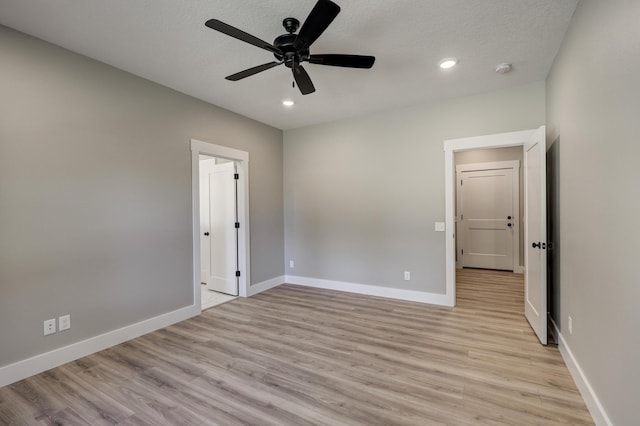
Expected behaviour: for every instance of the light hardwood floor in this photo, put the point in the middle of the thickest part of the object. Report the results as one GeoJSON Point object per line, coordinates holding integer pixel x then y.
{"type": "Point", "coordinates": [299, 356]}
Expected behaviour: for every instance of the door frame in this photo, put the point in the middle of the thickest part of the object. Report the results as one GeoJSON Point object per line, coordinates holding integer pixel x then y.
{"type": "Point", "coordinates": [451, 146]}
{"type": "Point", "coordinates": [514, 165]}
{"type": "Point", "coordinates": [241, 159]}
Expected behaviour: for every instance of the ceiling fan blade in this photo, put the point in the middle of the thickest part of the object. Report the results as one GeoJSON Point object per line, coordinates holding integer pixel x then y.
{"type": "Point", "coordinates": [227, 29]}
{"type": "Point", "coordinates": [350, 61]}
{"type": "Point", "coordinates": [251, 71]}
{"type": "Point", "coordinates": [303, 80]}
{"type": "Point", "coordinates": [322, 14]}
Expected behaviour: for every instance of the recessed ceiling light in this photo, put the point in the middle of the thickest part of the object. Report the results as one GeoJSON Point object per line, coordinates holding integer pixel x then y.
{"type": "Point", "coordinates": [448, 63]}
{"type": "Point", "coordinates": [288, 103]}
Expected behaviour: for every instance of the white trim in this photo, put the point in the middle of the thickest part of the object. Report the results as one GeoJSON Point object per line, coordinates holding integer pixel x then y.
{"type": "Point", "coordinates": [498, 140]}
{"type": "Point", "coordinates": [514, 166]}
{"type": "Point", "coordinates": [195, 230]}
{"type": "Point", "coordinates": [451, 146]}
{"type": "Point", "coordinates": [220, 151]}
{"type": "Point", "coordinates": [22, 369]}
{"type": "Point", "coordinates": [591, 400]}
{"type": "Point", "coordinates": [371, 290]}
{"type": "Point", "coordinates": [244, 245]}
{"type": "Point", "coordinates": [265, 285]}
{"type": "Point", "coordinates": [449, 211]}
{"type": "Point", "coordinates": [519, 269]}
{"type": "Point", "coordinates": [242, 163]}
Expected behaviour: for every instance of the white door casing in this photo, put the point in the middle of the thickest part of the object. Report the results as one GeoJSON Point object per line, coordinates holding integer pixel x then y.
{"type": "Point", "coordinates": [535, 253]}
{"type": "Point", "coordinates": [241, 159]}
{"type": "Point", "coordinates": [487, 218]}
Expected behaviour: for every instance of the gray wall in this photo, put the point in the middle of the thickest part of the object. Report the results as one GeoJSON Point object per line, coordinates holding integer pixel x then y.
{"type": "Point", "coordinates": [593, 108]}
{"type": "Point", "coordinates": [95, 194]}
{"type": "Point", "coordinates": [513, 153]}
{"type": "Point", "coordinates": [362, 195]}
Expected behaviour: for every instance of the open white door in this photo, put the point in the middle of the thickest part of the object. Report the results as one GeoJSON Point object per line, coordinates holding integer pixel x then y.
{"type": "Point", "coordinates": [223, 238]}
{"type": "Point", "coordinates": [535, 234]}
{"type": "Point", "coordinates": [206, 168]}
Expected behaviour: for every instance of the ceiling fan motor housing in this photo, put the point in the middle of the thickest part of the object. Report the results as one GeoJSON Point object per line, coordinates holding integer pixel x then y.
{"type": "Point", "coordinates": [290, 55]}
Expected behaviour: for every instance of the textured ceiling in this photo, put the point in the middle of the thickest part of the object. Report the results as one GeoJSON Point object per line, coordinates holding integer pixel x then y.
{"type": "Point", "coordinates": [166, 41]}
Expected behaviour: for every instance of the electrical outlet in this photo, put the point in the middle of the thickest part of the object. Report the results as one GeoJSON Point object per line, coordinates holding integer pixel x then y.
{"type": "Point", "coordinates": [49, 326]}
{"type": "Point", "coordinates": [439, 226]}
{"type": "Point", "coordinates": [292, 264]}
{"type": "Point", "coordinates": [407, 275]}
{"type": "Point", "coordinates": [570, 325]}
{"type": "Point", "coordinates": [64, 322]}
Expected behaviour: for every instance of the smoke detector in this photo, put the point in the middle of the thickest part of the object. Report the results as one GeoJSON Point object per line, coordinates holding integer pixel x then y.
{"type": "Point", "coordinates": [503, 68]}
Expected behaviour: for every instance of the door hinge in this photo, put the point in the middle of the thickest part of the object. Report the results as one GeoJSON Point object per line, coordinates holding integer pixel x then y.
{"type": "Point", "coordinates": [237, 273]}
{"type": "Point", "coordinates": [237, 225]}
{"type": "Point", "coordinates": [461, 251]}
{"type": "Point", "coordinates": [236, 176]}
{"type": "Point", "coordinates": [461, 217]}
{"type": "Point", "coordinates": [461, 182]}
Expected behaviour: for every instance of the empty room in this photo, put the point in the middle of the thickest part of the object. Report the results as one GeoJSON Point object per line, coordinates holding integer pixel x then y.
{"type": "Point", "coordinates": [319, 212]}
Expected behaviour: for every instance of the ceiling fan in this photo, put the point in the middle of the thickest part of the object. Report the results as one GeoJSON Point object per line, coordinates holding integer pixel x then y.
{"type": "Point", "coordinates": [292, 49]}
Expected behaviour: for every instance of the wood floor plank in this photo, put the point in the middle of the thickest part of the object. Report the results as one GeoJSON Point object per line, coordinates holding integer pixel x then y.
{"type": "Point", "coordinates": [303, 356]}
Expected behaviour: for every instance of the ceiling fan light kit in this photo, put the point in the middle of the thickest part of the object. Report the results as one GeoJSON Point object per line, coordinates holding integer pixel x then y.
{"type": "Point", "coordinates": [292, 49]}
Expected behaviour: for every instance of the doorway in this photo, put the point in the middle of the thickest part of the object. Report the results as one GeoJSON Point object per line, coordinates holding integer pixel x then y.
{"type": "Point", "coordinates": [534, 146]}
{"type": "Point", "coordinates": [218, 231]}
{"type": "Point", "coordinates": [218, 219]}
{"type": "Point", "coordinates": [488, 207]}
{"type": "Point", "coordinates": [220, 222]}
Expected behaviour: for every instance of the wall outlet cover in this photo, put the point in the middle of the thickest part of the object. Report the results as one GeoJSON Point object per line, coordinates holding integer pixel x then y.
{"type": "Point", "coordinates": [49, 327]}
{"type": "Point", "coordinates": [439, 226]}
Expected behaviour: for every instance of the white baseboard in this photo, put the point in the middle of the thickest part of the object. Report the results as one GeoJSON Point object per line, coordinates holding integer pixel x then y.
{"type": "Point", "coordinates": [371, 290]}
{"type": "Point", "coordinates": [596, 409]}
{"type": "Point", "coordinates": [265, 285]}
{"type": "Point", "coordinates": [37, 364]}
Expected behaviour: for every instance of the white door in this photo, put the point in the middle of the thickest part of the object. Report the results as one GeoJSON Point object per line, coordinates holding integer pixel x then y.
{"type": "Point", "coordinates": [487, 219]}
{"type": "Point", "coordinates": [535, 253]}
{"type": "Point", "coordinates": [219, 251]}
{"type": "Point", "coordinates": [206, 168]}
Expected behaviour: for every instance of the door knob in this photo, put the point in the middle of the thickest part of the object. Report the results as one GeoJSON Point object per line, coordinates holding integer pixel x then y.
{"type": "Point", "coordinates": [509, 225]}
{"type": "Point", "coordinates": [206, 234]}
{"type": "Point", "coordinates": [535, 245]}
{"type": "Point", "coordinates": [509, 217]}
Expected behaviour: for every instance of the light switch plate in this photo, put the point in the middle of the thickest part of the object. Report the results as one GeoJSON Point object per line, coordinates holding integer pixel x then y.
{"type": "Point", "coordinates": [64, 322]}
{"type": "Point", "coordinates": [439, 226]}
